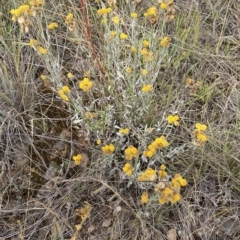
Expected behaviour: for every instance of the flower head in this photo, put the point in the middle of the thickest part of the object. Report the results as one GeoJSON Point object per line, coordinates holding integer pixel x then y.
{"type": "Point", "coordinates": [134, 15]}
{"type": "Point", "coordinates": [103, 11]}
{"type": "Point", "coordinates": [123, 36]}
{"type": "Point", "coordinates": [85, 84]}
{"type": "Point", "coordinates": [70, 75]}
{"type": "Point", "coordinates": [130, 153]}
{"type": "Point", "coordinates": [77, 159]}
{"type": "Point", "coordinates": [42, 50]}
{"type": "Point", "coordinates": [173, 119]}
{"type": "Point", "coordinates": [165, 41]}
{"type": "Point", "coordinates": [146, 43]}
{"type": "Point", "coordinates": [147, 88]}
{"type": "Point", "coordinates": [201, 127]}
{"type": "Point", "coordinates": [149, 175]}
{"type": "Point", "coordinates": [144, 72]}
{"type": "Point", "coordinates": [108, 149]}
{"type": "Point", "coordinates": [116, 20]}
{"type": "Point", "coordinates": [144, 197]}
{"type": "Point", "coordinates": [127, 169]}
{"type": "Point", "coordinates": [52, 26]}
{"type": "Point", "coordinates": [124, 131]}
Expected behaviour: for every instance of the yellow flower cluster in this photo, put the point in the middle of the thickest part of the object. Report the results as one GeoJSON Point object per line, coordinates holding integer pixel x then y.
{"type": "Point", "coordinates": [165, 41]}
{"type": "Point", "coordinates": [130, 153]}
{"type": "Point", "coordinates": [168, 6]}
{"type": "Point", "coordinates": [144, 72]}
{"type": "Point", "coordinates": [173, 119]}
{"type": "Point", "coordinates": [103, 11]}
{"type": "Point", "coordinates": [199, 134]}
{"type": "Point", "coordinates": [144, 197]}
{"type": "Point", "coordinates": [52, 26]}
{"type": "Point", "coordinates": [36, 45]}
{"type": "Point", "coordinates": [69, 20]}
{"type": "Point", "coordinates": [124, 131]}
{"type": "Point", "coordinates": [164, 4]}
{"type": "Point", "coordinates": [162, 171]}
{"type": "Point", "coordinates": [134, 15]}
{"type": "Point", "coordinates": [158, 143]}
{"type": "Point", "coordinates": [149, 175]}
{"type": "Point", "coordinates": [128, 169]}
{"type": "Point", "coordinates": [152, 14]}
{"type": "Point", "coordinates": [146, 43]}
{"type": "Point", "coordinates": [85, 84]}
{"type": "Point", "coordinates": [23, 12]}
{"type": "Point", "coordinates": [123, 36]}
{"type": "Point", "coordinates": [116, 20]}
{"type": "Point", "coordinates": [108, 149]}
{"type": "Point", "coordinates": [21, 15]}
{"type": "Point", "coordinates": [64, 92]}
{"type": "Point", "coordinates": [77, 159]}
{"type": "Point", "coordinates": [170, 191]}
{"type": "Point", "coordinates": [147, 88]}
{"type": "Point", "coordinates": [148, 55]}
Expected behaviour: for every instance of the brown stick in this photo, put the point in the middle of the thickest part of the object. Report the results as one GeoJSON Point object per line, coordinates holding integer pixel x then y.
{"type": "Point", "coordinates": [89, 36]}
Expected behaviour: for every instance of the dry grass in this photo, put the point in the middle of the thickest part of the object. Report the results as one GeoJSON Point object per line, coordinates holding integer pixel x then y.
{"type": "Point", "coordinates": [44, 195]}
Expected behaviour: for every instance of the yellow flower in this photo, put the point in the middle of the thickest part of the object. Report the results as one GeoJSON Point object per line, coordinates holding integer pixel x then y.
{"type": "Point", "coordinates": [175, 198]}
{"type": "Point", "coordinates": [146, 43]}
{"type": "Point", "coordinates": [147, 88]}
{"type": "Point", "coordinates": [144, 197]}
{"type": "Point", "coordinates": [36, 3]}
{"type": "Point", "coordinates": [123, 36]}
{"type": "Point", "coordinates": [133, 49]}
{"type": "Point", "coordinates": [163, 200]}
{"type": "Point", "coordinates": [165, 41]}
{"type": "Point", "coordinates": [149, 175]}
{"type": "Point", "coordinates": [108, 149]}
{"type": "Point", "coordinates": [130, 153]}
{"type": "Point", "coordinates": [178, 178]}
{"type": "Point", "coordinates": [124, 131]}
{"type": "Point", "coordinates": [85, 84]}
{"type": "Point", "coordinates": [90, 115]}
{"type": "Point", "coordinates": [144, 72]}
{"type": "Point", "coordinates": [70, 75]}
{"type": "Point", "coordinates": [99, 141]}
{"type": "Point", "coordinates": [160, 142]}
{"type": "Point", "coordinates": [134, 15]}
{"type": "Point", "coordinates": [127, 169]}
{"type": "Point", "coordinates": [202, 137]}
{"type": "Point", "coordinates": [69, 18]}
{"type": "Point", "coordinates": [162, 173]}
{"type": "Point", "coordinates": [163, 5]}
{"type": "Point", "coordinates": [116, 20]}
{"type": "Point", "coordinates": [201, 127]}
{"type": "Point", "coordinates": [173, 119]}
{"type": "Point", "coordinates": [43, 77]}
{"type": "Point", "coordinates": [113, 33]}
{"type": "Point", "coordinates": [149, 153]}
{"type": "Point", "coordinates": [151, 12]}
{"type": "Point", "coordinates": [128, 70]}
{"type": "Point", "coordinates": [77, 159]}
{"type": "Point", "coordinates": [52, 26]}
{"type": "Point", "coordinates": [103, 11]}
{"type": "Point", "coordinates": [66, 89]}
{"type": "Point", "coordinates": [63, 93]}
{"type": "Point", "coordinates": [33, 42]}
{"type": "Point", "coordinates": [42, 50]}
